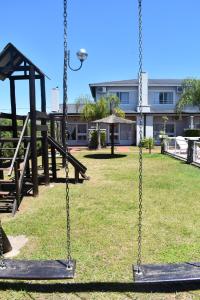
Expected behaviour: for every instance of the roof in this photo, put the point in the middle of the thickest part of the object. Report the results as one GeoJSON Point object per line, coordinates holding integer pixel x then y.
{"type": "Point", "coordinates": [10, 58]}
{"type": "Point", "coordinates": [72, 108]}
{"type": "Point", "coordinates": [134, 82]}
{"type": "Point", "coordinates": [113, 119]}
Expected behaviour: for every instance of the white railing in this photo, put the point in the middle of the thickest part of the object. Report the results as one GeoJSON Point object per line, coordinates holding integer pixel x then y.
{"type": "Point", "coordinates": [177, 146]}
{"type": "Point", "coordinates": [196, 153]}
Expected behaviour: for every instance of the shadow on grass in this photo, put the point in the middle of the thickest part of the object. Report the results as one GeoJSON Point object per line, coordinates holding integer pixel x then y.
{"type": "Point", "coordinates": [109, 287]}
{"type": "Point", "coordinates": [63, 180]}
{"type": "Point", "coordinates": [104, 156]}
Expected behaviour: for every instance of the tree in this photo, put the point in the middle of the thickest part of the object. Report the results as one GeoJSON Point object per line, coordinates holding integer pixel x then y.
{"type": "Point", "coordinates": [190, 95]}
{"type": "Point", "coordinates": [164, 119]}
{"type": "Point", "coordinates": [102, 108]}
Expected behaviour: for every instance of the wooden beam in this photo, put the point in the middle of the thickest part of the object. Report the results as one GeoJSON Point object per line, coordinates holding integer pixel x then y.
{"type": "Point", "coordinates": [44, 129]}
{"type": "Point", "coordinates": [24, 77]}
{"type": "Point", "coordinates": [41, 115]}
{"type": "Point", "coordinates": [9, 116]}
{"type": "Point", "coordinates": [33, 130]}
{"type": "Point", "coordinates": [9, 128]}
{"type": "Point", "coordinates": [53, 152]}
{"type": "Point", "coordinates": [13, 107]}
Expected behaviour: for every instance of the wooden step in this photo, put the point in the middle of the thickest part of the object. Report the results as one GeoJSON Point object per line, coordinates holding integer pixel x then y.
{"type": "Point", "coordinates": [10, 158]}
{"type": "Point", "coordinates": [5, 181]}
{"type": "Point", "coordinates": [4, 193]}
{"type": "Point", "coordinates": [7, 140]}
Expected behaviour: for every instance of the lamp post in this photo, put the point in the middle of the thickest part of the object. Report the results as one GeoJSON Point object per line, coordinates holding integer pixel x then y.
{"type": "Point", "coordinates": [81, 55]}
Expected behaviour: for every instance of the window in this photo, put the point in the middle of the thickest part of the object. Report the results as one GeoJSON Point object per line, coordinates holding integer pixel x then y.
{"type": "Point", "coordinates": [72, 132]}
{"type": "Point", "coordinates": [125, 132]}
{"type": "Point", "coordinates": [124, 97]}
{"type": "Point", "coordinates": [77, 132]}
{"type": "Point", "coordinates": [82, 132]}
{"type": "Point", "coordinates": [163, 98]}
{"type": "Point", "coordinates": [169, 129]}
{"type": "Point", "coordinates": [116, 132]}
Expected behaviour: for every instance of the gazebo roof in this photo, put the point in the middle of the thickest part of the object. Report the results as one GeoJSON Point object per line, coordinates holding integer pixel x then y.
{"type": "Point", "coordinates": [10, 59]}
{"type": "Point", "coordinates": [112, 119]}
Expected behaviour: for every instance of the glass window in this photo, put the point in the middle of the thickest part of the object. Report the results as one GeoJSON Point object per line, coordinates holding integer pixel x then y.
{"type": "Point", "coordinates": [124, 97]}
{"type": "Point", "coordinates": [116, 132]}
{"type": "Point", "coordinates": [72, 132]}
{"type": "Point", "coordinates": [125, 132]}
{"type": "Point", "coordinates": [82, 132]}
{"type": "Point", "coordinates": [82, 128]}
{"type": "Point", "coordinates": [166, 98]}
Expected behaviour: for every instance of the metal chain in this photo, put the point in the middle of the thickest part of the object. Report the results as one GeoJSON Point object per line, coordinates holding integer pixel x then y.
{"type": "Point", "coordinates": [139, 259]}
{"type": "Point", "coordinates": [65, 112]}
{"type": "Point", "coordinates": [2, 263]}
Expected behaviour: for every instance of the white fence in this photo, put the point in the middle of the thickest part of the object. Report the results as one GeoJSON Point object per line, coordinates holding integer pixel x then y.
{"type": "Point", "coordinates": [196, 153]}
{"type": "Point", "coordinates": [182, 148]}
{"type": "Point", "coordinates": [177, 146]}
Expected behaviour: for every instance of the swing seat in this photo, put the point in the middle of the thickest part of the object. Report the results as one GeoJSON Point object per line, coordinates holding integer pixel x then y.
{"type": "Point", "coordinates": [167, 273]}
{"type": "Point", "coordinates": [37, 269]}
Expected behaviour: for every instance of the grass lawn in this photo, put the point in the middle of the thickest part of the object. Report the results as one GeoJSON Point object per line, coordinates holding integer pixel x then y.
{"type": "Point", "coordinates": [104, 227]}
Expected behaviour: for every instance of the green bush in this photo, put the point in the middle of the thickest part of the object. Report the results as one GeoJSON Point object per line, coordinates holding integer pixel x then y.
{"type": "Point", "coordinates": [148, 143]}
{"type": "Point", "coordinates": [94, 139]}
{"type": "Point", "coordinates": [192, 132]}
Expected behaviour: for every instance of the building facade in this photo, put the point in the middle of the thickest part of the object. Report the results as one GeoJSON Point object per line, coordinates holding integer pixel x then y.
{"type": "Point", "coordinates": [159, 98]}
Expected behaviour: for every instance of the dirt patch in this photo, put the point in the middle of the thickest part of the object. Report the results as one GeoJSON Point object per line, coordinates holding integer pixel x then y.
{"type": "Point", "coordinates": [17, 243]}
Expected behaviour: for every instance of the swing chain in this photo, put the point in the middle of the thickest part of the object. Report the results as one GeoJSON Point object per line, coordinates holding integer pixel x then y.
{"type": "Point", "coordinates": [65, 110]}
{"type": "Point", "coordinates": [140, 187]}
{"type": "Point", "coordinates": [2, 263]}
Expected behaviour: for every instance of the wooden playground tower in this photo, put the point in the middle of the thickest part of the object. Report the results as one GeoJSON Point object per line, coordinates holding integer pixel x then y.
{"type": "Point", "coordinates": [19, 173]}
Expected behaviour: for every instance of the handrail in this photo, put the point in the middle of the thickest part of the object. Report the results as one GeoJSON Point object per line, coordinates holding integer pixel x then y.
{"type": "Point", "coordinates": [18, 145]}
{"type": "Point", "coordinates": [24, 168]}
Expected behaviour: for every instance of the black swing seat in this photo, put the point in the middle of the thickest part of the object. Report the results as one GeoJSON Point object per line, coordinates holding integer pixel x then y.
{"type": "Point", "coordinates": [168, 273]}
{"type": "Point", "coordinates": [37, 269]}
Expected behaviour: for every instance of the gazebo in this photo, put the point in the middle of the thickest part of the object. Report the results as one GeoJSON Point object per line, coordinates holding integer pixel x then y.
{"type": "Point", "coordinates": [112, 120]}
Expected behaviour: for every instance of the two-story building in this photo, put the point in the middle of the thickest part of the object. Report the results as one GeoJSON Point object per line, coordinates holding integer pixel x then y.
{"type": "Point", "coordinates": [159, 98]}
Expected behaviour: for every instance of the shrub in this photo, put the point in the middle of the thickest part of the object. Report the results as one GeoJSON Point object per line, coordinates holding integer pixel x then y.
{"type": "Point", "coordinates": [94, 139]}
{"type": "Point", "coordinates": [148, 143]}
{"type": "Point", "coordinates": [192, 132]}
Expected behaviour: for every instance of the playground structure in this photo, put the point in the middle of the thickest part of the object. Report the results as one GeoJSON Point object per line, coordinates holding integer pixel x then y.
{"type": "Point", "coordinates": [28, 137]}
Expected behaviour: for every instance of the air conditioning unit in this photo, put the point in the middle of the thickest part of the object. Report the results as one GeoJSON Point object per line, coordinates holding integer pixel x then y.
{"type": "Point", "coordinates": [101, 89]}
{"type": "Point", "coordinates": [179, 89]}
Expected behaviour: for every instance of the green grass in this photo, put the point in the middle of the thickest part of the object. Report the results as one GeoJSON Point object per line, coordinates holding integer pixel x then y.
{"type": "Point", "coordinates": [104, 225]}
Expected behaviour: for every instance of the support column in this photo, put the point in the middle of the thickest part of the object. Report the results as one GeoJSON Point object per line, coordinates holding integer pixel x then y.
{"type": "Point", "coordinates": [190, 152]}
{"type": "Point", "coordinates": [44, 133]}
{"type": "Point", "coordinates": [33, 130]}
{"type": "Point", "coordinates": [13, 106]}
{"type": "Point", "coordinates": [149, 126]}
{"type": "Point", "coordinates": [53, 152]}
{"type": "Point", "coordinates": [112, 138]}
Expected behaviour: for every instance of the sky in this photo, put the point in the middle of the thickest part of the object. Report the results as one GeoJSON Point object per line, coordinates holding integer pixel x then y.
{"type": "Point", "coordinates": [108, 30]}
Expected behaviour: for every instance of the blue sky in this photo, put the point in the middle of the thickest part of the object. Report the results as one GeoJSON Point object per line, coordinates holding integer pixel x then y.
{"type": "Point", "coordinates": [108, 29]}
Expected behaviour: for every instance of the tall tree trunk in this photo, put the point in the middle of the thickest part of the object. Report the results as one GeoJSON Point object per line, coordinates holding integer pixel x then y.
{"type": "Point", "coordinates": [99, 136]}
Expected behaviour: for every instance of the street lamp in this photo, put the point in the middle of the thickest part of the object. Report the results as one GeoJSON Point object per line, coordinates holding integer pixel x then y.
{"type": "Point", "coordinates": [81, 55]}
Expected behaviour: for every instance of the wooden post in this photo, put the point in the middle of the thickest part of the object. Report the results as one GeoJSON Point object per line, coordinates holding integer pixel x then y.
{"type": "Point", "coordinates": [13, 107]}
{"type": "Point", "coordinates": [190, 152]}
{"type": "Point", "coordinates": [28, 173]}
{"type": "Point", "coordinates": [44, 133]}
{"type": "Point", "coordinates": [53, 152]}
{"type": "Point", "coordinates": [76, 172]}
{"type": "Point", "coordinates": [112, 138]}
{"type": "Point", "coordinates": [33, 130]}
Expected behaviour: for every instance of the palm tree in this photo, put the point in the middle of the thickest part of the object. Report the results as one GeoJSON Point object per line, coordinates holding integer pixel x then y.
{"type": "Point", "coordinates": [190, 95]}
{"type": "Point", "coordinates": [103, 107]}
